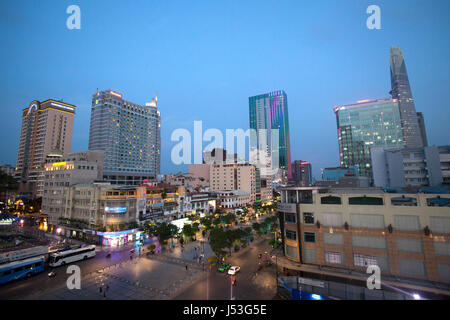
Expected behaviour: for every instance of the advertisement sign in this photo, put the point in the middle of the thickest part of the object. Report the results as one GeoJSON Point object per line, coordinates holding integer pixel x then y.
{"type": "Point", "coordinates": [116, 209]}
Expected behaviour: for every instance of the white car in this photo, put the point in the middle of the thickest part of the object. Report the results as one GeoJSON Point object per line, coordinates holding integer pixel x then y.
{"type": "Point", "coordinates": [233, 270]}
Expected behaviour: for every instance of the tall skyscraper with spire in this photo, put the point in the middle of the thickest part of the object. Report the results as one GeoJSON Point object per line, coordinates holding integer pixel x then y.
{"type": "Point", "coordinates": [401, 91]}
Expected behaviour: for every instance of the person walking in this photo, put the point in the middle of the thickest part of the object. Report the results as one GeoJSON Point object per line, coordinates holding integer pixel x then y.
{"type": "Point", "coordinates": [186, 268]}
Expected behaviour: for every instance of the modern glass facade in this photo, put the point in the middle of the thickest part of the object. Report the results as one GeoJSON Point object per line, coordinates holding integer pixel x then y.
{"type": "Point", "coordinates": [366, 124]}
{"type": "Point", "coordinates": [401, 90]}
{"type": "Point", "coordinates": [129, 135]}
{"type": "Point", "coordinates": [267, 112]}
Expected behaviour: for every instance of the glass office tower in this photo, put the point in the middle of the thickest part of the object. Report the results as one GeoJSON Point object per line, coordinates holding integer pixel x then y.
{"type": "Point", "coordinates": [365, 124]}
{"type": "Point", "coordinates": [267, 112]}
{"type": "Point", "coordinates": [401, 90]}
{"type": "Point", "coordinates": [128, 134]}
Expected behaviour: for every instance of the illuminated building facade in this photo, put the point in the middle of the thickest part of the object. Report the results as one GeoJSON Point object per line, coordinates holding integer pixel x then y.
{"type": "Point", "coordinates": [46, 126]}
{"type": "Point", "coordinates": [63, 172]}
{"type": "Point", "coordinates": [365, 124]}
{"type": "Point", "coordinates": [268, 112]}
{"type": "Point", "coordinates": [129, 135]}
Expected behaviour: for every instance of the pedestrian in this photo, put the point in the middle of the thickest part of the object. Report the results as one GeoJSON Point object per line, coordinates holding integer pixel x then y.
{"type": "Point", "coordinates": [100, 289]}
{"type": "Point", "coordinates": [186, 267]}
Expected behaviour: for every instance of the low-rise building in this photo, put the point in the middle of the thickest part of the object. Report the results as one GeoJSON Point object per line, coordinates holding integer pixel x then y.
{"type": "Point", "coordinates": [63, 172]}
{"type": "Point", "coordinates": [444, 158]}
{"type": "Point", "coordinates": [334, 173]}
{"type": "Point", "coordinates": [415, 167]}
{"type": "Point", "coordinates": [406, 235]}
{"type": "Point", "coordinates": [232, 199]}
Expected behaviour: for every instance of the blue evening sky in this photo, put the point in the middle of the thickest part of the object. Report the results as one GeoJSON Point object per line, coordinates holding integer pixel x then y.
{"type": "Point", "coordinates": [205, 58]}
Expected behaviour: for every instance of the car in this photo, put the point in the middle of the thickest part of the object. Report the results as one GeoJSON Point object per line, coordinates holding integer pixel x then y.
{"type": "Point", "coordinates": [233, 270]}
{"type": "Point", "coordinates": [223, 267]}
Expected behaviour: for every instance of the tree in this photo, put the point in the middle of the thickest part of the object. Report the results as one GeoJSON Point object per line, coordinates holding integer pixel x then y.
{"type": "Point", "coordinates": [206, 221]}
{"type": "Point", "coordinates": [7, 182]}
{"type": "Point", "coordinates": [166, 231]}
{"type": "Point", "coordinates": [256, 226]}
{"type": "Point", "coordinates": [188, 231]}
{"type": "Point", "coordinates": [218, 241]}
{"type": "Point", "coordinates": [216, 222]}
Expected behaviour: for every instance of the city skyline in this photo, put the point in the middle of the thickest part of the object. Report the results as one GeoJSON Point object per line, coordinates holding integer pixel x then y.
{"type": "Point", "coordinates": [363, 71]}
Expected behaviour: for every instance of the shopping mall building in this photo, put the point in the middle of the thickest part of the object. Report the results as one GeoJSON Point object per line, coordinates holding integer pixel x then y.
{"type": "Point", "coordinates": [345, 230]}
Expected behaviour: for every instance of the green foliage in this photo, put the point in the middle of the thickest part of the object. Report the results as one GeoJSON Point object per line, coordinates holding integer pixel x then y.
{"type": "Point", "coordinates": [218, 241]}
{"type": "Point", "coordinates": [256, 226]}
{"type": "Point", "coordinates": [188, 230]}
{"type": "Point", "coordinates": [165, 231]}
{"type": "Point", "coordinates": [7, 182]}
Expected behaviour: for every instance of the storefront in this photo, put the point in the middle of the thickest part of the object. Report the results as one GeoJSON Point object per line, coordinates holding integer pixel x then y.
{"type": "Point", "coordinates": [121, 238]}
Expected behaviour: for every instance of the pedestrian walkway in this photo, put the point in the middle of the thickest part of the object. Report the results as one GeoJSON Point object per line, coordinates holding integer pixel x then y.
{"type": "Point", "coordinates": [191, 251]}
{"type": "Point", "coordinates": [137, 279]}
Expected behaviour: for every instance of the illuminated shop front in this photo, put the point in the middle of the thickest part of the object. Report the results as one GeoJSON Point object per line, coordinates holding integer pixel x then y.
{"type": "Point", "coordinates": [121, 238]}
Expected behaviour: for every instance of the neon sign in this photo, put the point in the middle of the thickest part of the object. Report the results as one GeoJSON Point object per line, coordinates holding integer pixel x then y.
{"type": "Point", "coordinates": [116, 94]}
{"type": "Point", "coordinates": [35, 105]}
{"type": "Point", "coordinates": [116, 210]}
{"type": "Point", "coordinates": [55, 164]}
{"type": "Point", "coordinates": [61, 106]}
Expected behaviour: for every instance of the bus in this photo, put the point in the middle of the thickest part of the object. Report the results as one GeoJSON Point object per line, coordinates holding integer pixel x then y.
{"type": "Point", "coordinates": [21, 268]}
{"type": "Point", "coordinates": [68, 256]}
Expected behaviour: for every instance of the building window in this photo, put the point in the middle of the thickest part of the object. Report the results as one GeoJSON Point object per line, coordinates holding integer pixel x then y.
{"type": "Point", "coordinates": [361, 260]}
{"type": "Point", "coordinates": [334, 257]}
{"type": "Point", "coordinates": [368, 201]}
{"type": "Point", "coordinates": [330, 200]}
{"type": "Point", "coordinates": [291, 235]}
{"type": "Point", "coordinates": [289, 217]}
{"type": "Point", "coordinates": [308, 217]}
{"type": "Point", "coordinates": [291, 252]}
{"type": "Point", "coordinates": [309, 237]}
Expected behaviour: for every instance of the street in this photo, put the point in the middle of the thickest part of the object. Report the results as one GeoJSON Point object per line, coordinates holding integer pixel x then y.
{"type": "Point", "coordinates": [250, 283]}
{"type": "Point", "coordinates": [176, 273]}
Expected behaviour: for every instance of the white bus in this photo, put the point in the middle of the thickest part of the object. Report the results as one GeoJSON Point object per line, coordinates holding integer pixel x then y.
{"type": "Point", "coordinates": [69, 256]}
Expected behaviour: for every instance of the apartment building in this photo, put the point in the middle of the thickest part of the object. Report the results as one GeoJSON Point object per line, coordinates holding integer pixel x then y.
{"type": "Point", "coordinates": [235, 176]}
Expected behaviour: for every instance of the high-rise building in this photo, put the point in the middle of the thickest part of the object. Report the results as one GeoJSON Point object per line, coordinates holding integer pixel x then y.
{"type": "Point", "coordinates": [301, 173]}
{"type": "Point", "coordinates": [129, 136]}
{"type": "Point", "coordinates": [269, 112]}
{"type": "Point", "coordinates": [423, 132]}
{"type": "Point", "coordinates": [365, 124]}
{"type": "Point", "coordinates": [46, 126]}
{"type": "Point", "coordinates": [235, 176]}
{"type": "Point", "coordinates": [401, 91]}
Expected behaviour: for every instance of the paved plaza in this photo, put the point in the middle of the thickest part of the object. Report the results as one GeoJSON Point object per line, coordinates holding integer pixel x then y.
{"type": "Point", "coordinates": [157, 277]}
